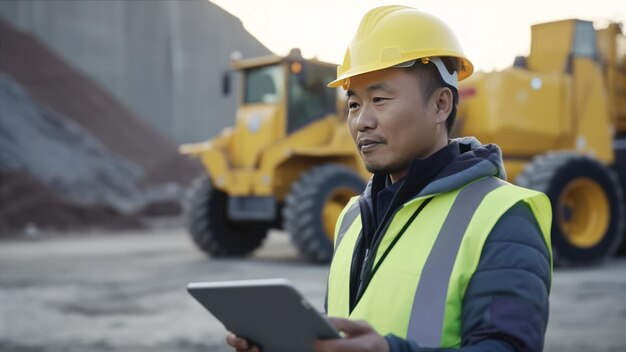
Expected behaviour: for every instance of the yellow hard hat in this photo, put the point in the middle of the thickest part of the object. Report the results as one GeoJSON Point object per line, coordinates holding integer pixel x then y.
{"type": "Point", "coordinates": [392, 35]}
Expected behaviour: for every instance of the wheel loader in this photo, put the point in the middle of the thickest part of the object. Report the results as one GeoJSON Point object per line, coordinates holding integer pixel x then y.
{"type": "Point", "coordinates": [558, 114]}
{"type": "Point", "coordinates": [289, 162]}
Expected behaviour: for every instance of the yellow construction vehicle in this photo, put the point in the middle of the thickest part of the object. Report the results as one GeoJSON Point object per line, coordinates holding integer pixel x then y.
{"type": "Point", "coordinates": [288, 162]}
{"type": "Point", "coordinates": [559, 116]}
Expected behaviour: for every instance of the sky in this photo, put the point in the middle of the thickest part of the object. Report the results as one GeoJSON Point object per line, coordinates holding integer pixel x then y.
{"type": "Point", "coordinates": [491, 32]}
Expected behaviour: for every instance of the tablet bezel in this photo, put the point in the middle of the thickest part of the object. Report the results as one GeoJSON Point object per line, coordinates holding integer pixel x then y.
{"type": "Point", "coordinates": [268, 312]}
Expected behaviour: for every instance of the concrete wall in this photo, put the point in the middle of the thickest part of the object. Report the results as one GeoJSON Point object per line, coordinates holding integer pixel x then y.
{"type": "Point", "coordinates": [163, 59]}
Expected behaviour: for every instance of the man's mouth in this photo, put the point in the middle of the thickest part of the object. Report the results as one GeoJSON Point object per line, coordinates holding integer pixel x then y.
{"type": "Point", "coordinates": [367, 145]}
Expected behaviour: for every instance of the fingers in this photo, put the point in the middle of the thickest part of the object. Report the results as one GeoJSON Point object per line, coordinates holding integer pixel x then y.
{"type": "Point", "coordinates": [236, 342]}
{"type": "Point", "coordinates": [239, 344]}
{"type": "Point", "coordinates": [351, 327]}
{"type": "Point", "coordinates": [360, 337]}
{"type": "Point", "coordinates": [363, 343]}
{"type": "Point", "coordinates": [336, 345]}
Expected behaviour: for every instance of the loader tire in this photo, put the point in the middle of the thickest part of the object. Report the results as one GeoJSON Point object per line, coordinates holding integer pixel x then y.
{"type": "Point", "coordinates": [210, 228]}
{"type": "Point", "coordinates": [587, 206]}
{"type": "Point", "coordinates": [619, 166]}
{"type": "Point", "coordinates": [313, 206]}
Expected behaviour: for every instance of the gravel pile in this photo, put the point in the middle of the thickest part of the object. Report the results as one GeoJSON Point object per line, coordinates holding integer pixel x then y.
{"type": "Point", "coordinates": [72, 156]}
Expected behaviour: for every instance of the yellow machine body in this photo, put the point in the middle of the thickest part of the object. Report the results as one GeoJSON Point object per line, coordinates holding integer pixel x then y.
{"type": "Point", "coordinates": [260, 156]}
{"type": "Point", "coordinates": [559, 116]}
{"type": "Point", "coordinates": [560, 100]}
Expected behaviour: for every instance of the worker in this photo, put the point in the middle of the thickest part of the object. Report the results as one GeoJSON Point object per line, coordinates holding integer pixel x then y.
{"type": "Point", "coordinates": [439, 252]}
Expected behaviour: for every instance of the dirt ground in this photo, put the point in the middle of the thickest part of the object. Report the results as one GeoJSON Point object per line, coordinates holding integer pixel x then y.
{"type": "Point", "coordinates": [126, 292]}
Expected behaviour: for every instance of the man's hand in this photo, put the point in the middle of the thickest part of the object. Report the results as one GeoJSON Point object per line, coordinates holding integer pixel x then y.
{"type": "Point", "coordinates": [239, 344]}
{"type": "Point", "coordinates": [359, 336]}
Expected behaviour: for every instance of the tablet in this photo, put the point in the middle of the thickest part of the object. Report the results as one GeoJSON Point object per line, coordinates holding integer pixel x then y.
{"type": "Point", "coordinates": [269, 313]}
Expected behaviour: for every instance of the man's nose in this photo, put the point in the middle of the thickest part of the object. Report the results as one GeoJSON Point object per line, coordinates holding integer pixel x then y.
{"type": "Point", "coordinates": [366, 119]}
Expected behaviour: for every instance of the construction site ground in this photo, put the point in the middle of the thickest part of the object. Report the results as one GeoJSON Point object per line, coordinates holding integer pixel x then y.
{"type": "Point", "coordinates": [101, 291]}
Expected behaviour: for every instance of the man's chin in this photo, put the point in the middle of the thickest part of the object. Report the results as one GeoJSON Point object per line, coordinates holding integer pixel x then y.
{"type": "Point", "coordinates": [376, 169]}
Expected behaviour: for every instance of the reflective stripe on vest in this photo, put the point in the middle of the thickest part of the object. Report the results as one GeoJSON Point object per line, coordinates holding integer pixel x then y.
{"type": "Point", "coordinates": [426, 321]}
{"type": "Point", "coordinates": [418, 291]}
{"type": "Point", "coordinates": [346, 221]}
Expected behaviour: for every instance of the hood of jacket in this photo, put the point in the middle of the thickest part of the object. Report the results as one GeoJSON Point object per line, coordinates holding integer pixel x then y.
{"type": "Point", "coordinates": [475, 161]}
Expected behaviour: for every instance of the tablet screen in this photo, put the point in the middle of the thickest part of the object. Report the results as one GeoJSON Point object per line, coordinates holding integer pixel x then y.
{"type": "Point", "coordinates": [270, 313]}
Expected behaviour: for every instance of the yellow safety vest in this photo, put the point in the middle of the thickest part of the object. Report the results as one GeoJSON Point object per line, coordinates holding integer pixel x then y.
{"type": "Point", "coordinates": [417, 290]}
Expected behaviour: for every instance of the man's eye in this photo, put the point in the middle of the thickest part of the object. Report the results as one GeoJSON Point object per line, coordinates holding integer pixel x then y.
{"type": "Point", "coordinates": [378, 99]}
{"type": "Point", "coordinates": [353, 105]}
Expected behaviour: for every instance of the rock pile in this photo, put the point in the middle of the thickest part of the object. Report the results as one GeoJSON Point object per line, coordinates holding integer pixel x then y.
{"type": "Point", "coordinates": [67, 146]}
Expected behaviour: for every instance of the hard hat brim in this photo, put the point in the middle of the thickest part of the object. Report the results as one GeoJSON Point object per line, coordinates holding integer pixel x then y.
{"type": "Point", "coordinates": [466, 70]}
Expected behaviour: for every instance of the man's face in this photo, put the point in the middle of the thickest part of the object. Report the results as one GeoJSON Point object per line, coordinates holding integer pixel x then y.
{"type": "Point", "coordinates": [391, 123]}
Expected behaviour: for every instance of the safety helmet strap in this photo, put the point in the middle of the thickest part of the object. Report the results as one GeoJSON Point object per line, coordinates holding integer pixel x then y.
{"type": "Point", "coordinates": [452, 79]}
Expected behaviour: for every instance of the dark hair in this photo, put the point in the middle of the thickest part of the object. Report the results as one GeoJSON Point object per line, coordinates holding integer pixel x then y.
{"type": "Point", "coordinates": [431, 80]}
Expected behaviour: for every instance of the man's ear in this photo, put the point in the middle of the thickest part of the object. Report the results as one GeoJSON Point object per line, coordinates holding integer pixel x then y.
{"type": "Point", "coordinates": [443, 102]}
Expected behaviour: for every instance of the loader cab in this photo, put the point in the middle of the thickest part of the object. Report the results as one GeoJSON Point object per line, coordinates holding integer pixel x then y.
{"type": "Point", "coordinates": [308, 97]}
{"type": "Point", "coordinates": [555, 45]}
{"type": "Point", "coordinates": [584, 42]}
{"type": "Point", "coordinates": [291, 84]}
{"type": "Point", "coordinates": [264, 85]}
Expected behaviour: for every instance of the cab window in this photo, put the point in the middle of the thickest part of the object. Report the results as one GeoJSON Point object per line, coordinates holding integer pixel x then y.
{"type": "Point", "coordinates": [309, 98]}
{"type": "Point", "coordinates": [264, 85]}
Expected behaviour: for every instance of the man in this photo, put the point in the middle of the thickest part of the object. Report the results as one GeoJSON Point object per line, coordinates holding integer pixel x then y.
{"type": "Point", "coordinates": [439, 252]}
